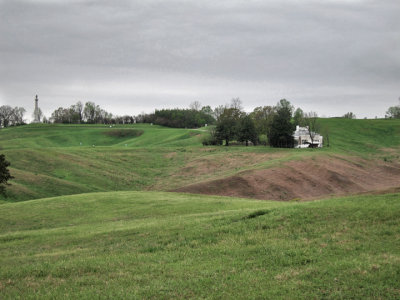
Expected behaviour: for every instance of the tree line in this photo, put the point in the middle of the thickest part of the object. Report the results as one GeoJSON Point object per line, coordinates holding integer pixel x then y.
{"type": "Point", "coordinates": [93, 114]}
{"type": "Point", "coordinates": [11, 116]}
{"type": "Point", "coordinates": [81, 113]}
{"type": "Point", "coordinates": [272, 125]}
{"type": "Point", "coordinates": [195, 116]}
{"type": "Point", "coordinates": [181, 118]}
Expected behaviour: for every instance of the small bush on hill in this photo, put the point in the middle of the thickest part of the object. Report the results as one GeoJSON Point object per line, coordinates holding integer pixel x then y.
{"type": "Point", "coordinates": [4, 174]}
{"type": "Point", "coordinates": [210, 139]}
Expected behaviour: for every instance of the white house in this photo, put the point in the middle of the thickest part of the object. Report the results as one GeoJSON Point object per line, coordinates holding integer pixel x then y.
{"type": "Point", "coordinates": [302, 138]}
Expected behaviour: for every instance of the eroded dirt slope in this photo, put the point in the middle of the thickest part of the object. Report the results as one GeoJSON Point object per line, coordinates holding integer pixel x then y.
{"type": "Point", "coordinates": [307, 179]}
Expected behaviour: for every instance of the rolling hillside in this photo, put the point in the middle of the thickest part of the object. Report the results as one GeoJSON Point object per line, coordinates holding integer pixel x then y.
{"type": "Point", "coordinates": [60, 135]}
{"type": "Point", "coordinates": [55, 160]}
{"type": "Point", "coordinates": [100, 224]}
{"type": "Point", "coordinates": [163, 245]}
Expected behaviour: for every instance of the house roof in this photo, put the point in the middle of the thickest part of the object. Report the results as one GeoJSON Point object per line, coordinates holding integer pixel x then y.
{"type": "Point", "coordinates": [303, 131]}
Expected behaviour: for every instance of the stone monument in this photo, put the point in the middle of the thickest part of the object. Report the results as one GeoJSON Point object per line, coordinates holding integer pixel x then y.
{"type": "Point", "coordinates": [36, 113]}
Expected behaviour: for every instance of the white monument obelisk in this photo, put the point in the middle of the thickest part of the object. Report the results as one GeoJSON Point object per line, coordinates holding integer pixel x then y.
{"type": "Point", "coordinates": [36, 114]}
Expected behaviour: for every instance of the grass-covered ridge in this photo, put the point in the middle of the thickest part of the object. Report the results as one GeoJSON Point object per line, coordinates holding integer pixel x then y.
{"type": "Point", "coordinates": [60, 135]}
{"type": "Point", "coordinates": [54, 160]}
{"type": "Point", "coordinates": [165, 245]}
{"type": "Point", "coordinates": [118, 238]}
{"type": "Point", "coordinates": [345, 135]}
{"type": "Point", "coordinates": [362, 136]}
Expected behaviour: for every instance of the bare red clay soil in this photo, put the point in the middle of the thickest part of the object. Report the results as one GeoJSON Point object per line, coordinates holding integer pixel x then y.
{"type": "Point", "coordinates": [306, 179]}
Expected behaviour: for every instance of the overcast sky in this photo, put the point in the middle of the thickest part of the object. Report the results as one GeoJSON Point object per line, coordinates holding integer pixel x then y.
{"type": "Point", "coordinates": [329, 56]}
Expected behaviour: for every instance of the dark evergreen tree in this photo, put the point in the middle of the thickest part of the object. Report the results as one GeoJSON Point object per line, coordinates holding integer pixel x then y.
{"type": "Point", "coordinates": [4, 174]}
{"type": "Point", "coordinates": [281, 132]}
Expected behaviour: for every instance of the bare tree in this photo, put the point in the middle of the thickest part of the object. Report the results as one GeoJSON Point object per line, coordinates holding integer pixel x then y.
{"type": "Point", "coordinates": [11, 116]}
{"type": "Point", "coordinates": [89, 112]}
{"type": "Point", "coordinates": [6, 113]}
{"type": "Point", "coordinates": [349, 115]}
{"type": "Point", "coordinates": [311, 121]}
{"type": "Point", "coordinates": [196, 105]}
{"type": "Point", "coordinates": [78, 107]}
{"type": "Point", "coordinates": [19, 115]}
{"type": "Point", "coordinates": [236, 103]}
{"type": "Point", "coordinates": [218, 111]}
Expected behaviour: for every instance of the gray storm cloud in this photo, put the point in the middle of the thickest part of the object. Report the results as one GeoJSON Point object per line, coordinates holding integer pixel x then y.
{"type": "Point", "coordinates": [133, 56]}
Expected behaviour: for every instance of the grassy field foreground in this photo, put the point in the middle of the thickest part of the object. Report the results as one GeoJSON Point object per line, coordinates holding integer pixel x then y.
{"type": "Point", "coordinates": [165, 245]}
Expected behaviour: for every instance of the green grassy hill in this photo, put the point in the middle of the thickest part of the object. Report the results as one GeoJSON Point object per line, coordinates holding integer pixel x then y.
{"type": "Point", "coordinates": [55, 160]}
{"type": "Point", "coordinates": [362, 136]}
{"type": "Point", "coordinates": [345, 134]}
{"type": "Point", "coordinates": [51, 160]}
{"type": "Point", "coordinates": [123, 245]}
{"type": "Point", "coordinates": [118, 238]}
{"type": "Point", "coordinates": [60, 135]}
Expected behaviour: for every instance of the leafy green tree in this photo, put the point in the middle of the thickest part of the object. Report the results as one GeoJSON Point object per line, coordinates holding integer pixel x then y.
{"type": "Point", "coordinates": [393, 112]}
{"type": "Point", "coordinates": [4, 174]}
{"type": "Point", "coordinates": [227, 124]}
{"type": "Point", "coordinates": [207, 110]}
{"type": "Point", "coordinates": [281, 132]}
{"type": "Point", "coordinates": [218, 111]}
{"type": "Point", "coordinates": [298, 117]}
{"type": "Point", "coordinates": [262, 117]}
{"type": "Point", "coordinates": [210, 138]}
{"type": "Point", "coordinates": [247, 130]}
{"type": "Point", "coordinates": [283, 103]}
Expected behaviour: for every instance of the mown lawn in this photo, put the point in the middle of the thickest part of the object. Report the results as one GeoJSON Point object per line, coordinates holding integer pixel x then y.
{"type": "Point", "coordinates": [163, 245]}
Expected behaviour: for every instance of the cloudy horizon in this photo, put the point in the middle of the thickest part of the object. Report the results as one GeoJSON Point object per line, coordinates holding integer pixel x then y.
{"type": "Point", "coordinates": [129, 57]}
